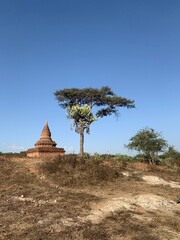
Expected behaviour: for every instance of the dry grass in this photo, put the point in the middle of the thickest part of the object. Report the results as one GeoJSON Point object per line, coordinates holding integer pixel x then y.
{"type": "Point", "coordinates": [71, 171]}
{"type": "Point", "coordinates": [51, 207]}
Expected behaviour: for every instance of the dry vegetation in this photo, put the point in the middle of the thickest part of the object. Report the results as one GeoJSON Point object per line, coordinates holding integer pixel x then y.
{"type": "Point", "coordinates": [70, 198]}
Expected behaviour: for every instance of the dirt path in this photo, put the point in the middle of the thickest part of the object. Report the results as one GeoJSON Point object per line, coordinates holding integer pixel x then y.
{"type": "Point", "coordinates": [141, 202]}
{"type": "Point", "coordinates": [154, 180]}
{"type": "Point", "coordinates": [124, 201]}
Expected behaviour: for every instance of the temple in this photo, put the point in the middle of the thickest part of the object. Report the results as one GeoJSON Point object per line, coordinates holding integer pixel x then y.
{"type": "Point", "coordinates": [45, 147]}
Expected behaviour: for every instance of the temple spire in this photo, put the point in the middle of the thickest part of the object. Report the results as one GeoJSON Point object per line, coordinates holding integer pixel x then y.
{"type": "Point", "coordinates": [46, 133]}
{"type": "Point", "coordinates": [45, 138]}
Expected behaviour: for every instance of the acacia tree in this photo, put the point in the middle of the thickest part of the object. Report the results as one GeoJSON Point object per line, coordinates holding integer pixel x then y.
{"type": "Point", "coordinates": [86, 105]}
{"type": "Point", "coordinates": [149, 143]}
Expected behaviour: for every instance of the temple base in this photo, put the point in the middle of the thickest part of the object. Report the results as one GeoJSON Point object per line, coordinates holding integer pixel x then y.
{"type": "Point", "coordinates": [45, 152]}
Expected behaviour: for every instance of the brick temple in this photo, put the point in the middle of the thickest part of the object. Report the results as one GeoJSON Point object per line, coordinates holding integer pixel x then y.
{"type": "Point", "coordinates": [45, 147]}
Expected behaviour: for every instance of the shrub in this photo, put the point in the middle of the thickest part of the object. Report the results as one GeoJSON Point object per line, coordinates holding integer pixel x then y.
{"type": "Point", "coordinates": [171, 157]}
{"type": "Point", "coordinates": [149, 143]}
{"type": "Point", "coordinates": [124, 158]}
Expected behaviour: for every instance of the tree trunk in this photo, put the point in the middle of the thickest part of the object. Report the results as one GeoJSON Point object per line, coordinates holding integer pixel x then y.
{"type": "Point", "coordinates": [81, 141]}
{"type": "Point", "coordinates": [152, 158]}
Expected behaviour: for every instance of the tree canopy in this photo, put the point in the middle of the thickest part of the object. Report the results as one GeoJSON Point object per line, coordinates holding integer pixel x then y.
{"type": "Point", "coordinates": [86, 105]}
{"type": "Point", "coordinates": [105, 99]}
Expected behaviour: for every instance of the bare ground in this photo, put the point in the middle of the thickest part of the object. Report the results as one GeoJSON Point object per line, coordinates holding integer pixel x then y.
{"type": "Point", "coordinates": [139, 203]}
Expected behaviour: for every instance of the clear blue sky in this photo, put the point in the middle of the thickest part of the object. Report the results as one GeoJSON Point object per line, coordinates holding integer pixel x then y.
{"type": "Point", "coordinates": [132, 46]}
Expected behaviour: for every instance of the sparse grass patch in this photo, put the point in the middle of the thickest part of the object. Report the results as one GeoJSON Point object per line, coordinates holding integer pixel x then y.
{"type": "Point", "coordinates": [168, 222]}
{"type": "Point", "coordinates": [70, 170]}
{"type": "Point", "coordinates": [136, 176]}
{"type": "Point", "coordinates": [177, 213]}
{"type": "Point", "coordinates": [123, 224]}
